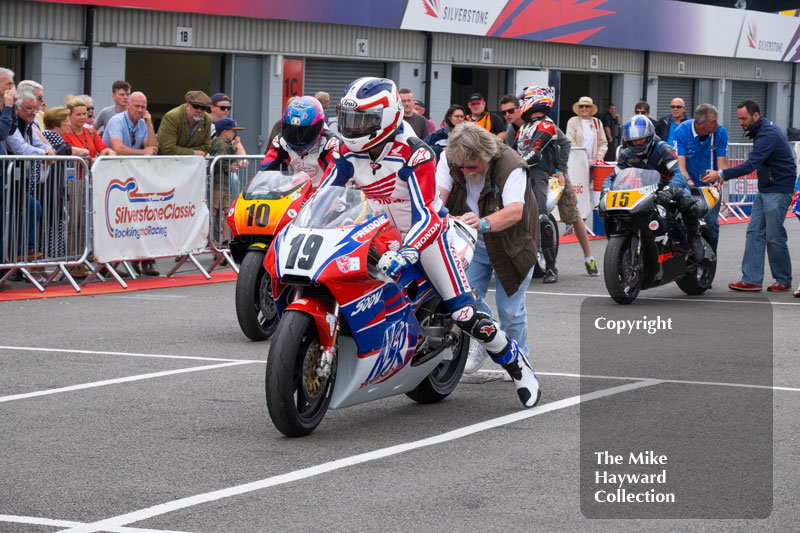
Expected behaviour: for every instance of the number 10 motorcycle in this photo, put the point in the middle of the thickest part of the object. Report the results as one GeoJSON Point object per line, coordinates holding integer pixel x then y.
{"type": "Point", "coordinates": [348, 334]}
{"type": "Point", "coordinates": [648, 242]}
{"type": "Point", "coordinates": [269, 201]}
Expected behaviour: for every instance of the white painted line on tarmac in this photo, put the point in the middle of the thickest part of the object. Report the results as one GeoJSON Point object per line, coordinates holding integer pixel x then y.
{"type": "Point", "coordinates": [129, 354]}
{"type": "Point", "coordinates": [660, 298]}
{"type": "Point", "coordinates": [164, 508]}
{"type": "Point", "coordinates": [35, 520]}
{"type": "Point", "coordinates": [630, 378]}
{"type": "Point", "coordinates": [119, 380]}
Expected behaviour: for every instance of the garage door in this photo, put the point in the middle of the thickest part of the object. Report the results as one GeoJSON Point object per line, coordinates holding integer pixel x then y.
{"type": "Point", "coordinates": [333, 77]}
{"type": "Point", "coordinates": [669, 88]}
{"type": "Point", "coordinates": [744, 90]}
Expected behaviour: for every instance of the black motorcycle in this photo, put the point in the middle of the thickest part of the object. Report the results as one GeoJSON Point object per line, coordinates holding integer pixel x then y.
{"type": "Point", "coordinates": [648, 244]}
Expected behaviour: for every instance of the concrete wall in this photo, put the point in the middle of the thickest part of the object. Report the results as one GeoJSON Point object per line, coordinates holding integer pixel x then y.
{"type": "Point", "coordinates": [626, 90]}
{"type": "Point", "coordinates": [108, 66]}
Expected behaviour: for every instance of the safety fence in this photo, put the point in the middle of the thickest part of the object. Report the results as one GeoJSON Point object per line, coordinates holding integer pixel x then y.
{"type": "Point", "coordinates": [63, 219]}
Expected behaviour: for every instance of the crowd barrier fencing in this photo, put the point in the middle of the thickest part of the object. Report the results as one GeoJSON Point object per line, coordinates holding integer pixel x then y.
{"type": "Point", "coordinates": [44, 229]}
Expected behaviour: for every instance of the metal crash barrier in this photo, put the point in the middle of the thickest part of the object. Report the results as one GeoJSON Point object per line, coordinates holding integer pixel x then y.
{"type": "Point", "coordinates": [45, 224]}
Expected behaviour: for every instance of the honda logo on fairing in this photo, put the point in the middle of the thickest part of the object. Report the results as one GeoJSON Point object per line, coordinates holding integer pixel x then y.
{"type": "Point", "coordinates": [367, 302]}
{"type": "Point", "coordinates": [349, 103]}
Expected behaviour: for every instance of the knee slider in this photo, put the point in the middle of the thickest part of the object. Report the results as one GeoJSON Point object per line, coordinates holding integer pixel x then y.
{"type": "Point", "coordinates": [547, 230]}
{"type": "Point", "coordinates": [476, 324]}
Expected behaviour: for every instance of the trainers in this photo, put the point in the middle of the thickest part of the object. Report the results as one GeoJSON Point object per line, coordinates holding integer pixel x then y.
{"type": "Point", "coordinates": [551, 276]}
{"type": "Point", "coordinates": [742, 286]}
{"type": "Point", "coordinates": [524, 379]}
{"type": "Point", "coordinates": [796, 293]}
{"type": "Point", "coordinates": [149, 268]}
{"type": "Point", "coordinates": [477, 355]}
{"type": "Point", "coordinates": [777, 287]}
{"type": "Point", "coordinates": [591, 268]}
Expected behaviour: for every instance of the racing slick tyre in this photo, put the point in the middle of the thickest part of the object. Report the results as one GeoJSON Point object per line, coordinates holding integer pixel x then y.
{"type": "Point", "coordinates": [623, 279]}
{"type": "Point", "coordinates": [700, 276]}
{"type": "Point", "coordinates": [445, 377]}
{"type": "Point", "coordinates": [297, 398]}
{"type": "Point", "coordinates": [255, 308]}
{"type": "Point", "coordinates": [538, 271]}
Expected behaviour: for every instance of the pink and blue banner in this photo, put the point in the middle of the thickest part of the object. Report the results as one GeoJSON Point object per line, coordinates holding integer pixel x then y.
{"type": "Point", "coordinates": [664, 25]}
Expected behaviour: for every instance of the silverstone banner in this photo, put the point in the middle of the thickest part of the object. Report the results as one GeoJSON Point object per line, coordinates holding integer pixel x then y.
{"type": "Point", "coordinates": [148, 207]}
{"type": "Point", "coordinates": [663, 26]}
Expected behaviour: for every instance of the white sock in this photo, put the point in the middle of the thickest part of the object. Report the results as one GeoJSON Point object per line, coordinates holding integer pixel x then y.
{"type": "Point", "coordinates": [589, 258]}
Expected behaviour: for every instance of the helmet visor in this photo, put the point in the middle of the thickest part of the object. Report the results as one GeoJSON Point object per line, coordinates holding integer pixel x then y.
{"type": "Point", "coordinates": [354, 123]}
{"type": "Point", "coordinates": [298, 136]}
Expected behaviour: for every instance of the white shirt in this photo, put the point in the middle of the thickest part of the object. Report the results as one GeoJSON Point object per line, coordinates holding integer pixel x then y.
{"type": "Point", "coordinates": [513, 190]}
{"type": "Point", "coordinates": [588, 137]}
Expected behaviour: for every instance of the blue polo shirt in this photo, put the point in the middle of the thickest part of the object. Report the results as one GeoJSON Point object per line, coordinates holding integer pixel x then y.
{"type": "Point", "coordinates": [120, 127]}
{"type": "Point", "coordinates": [700, 156]}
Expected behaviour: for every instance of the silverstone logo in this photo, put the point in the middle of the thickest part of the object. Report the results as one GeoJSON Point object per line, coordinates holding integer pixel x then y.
{"type": "Point", "coordinates": [762, 46]}
{"type": "Point", "coordinates": [137, 214]}
{"type": "Point", "coordinates": [433, 8]}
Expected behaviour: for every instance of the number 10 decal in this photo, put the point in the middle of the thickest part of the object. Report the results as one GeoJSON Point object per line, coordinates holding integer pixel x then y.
{"type": "Point", "coordinates": [310, 250]}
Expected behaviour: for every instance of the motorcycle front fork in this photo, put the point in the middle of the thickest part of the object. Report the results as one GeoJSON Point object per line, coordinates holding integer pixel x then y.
{"type": "Point", "coordinates": [328, 357]}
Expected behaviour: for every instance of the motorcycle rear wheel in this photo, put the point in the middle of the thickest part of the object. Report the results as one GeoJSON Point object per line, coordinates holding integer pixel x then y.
{"type": "Point", "coordinates": [538, 272]}
{"type": "Point", "coordinates": [255, 308]}
{"type": "Point", "coordinates": [297, 398]}
{"type": "Point", "coordinates": [623, 280]}
{"type": "Point", "coordinates": [445, 377]}
{"type": "Point", "coordinates": [699, 277]}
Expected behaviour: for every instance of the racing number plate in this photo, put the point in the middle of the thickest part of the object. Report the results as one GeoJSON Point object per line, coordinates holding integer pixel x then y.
{"type": "Point", "coordinates": [623, 199]}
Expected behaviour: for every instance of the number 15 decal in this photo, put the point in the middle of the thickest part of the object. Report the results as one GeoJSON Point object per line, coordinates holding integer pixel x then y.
{"type": "Point", "coordinates": [310, 250]}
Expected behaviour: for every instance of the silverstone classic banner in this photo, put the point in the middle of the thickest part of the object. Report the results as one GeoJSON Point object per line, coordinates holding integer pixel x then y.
{"type": "Point", "coordinates": [664, 25]}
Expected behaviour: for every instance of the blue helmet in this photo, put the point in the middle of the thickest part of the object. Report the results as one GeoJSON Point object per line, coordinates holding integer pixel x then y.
{"type": "Point", "coordinates": [303, 121]}
{"type": "Point", "coordinates": [639, 127]}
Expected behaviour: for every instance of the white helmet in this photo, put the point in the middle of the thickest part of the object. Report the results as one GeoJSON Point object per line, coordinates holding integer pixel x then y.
{"type": "Point", "coordinates": [369, 113]}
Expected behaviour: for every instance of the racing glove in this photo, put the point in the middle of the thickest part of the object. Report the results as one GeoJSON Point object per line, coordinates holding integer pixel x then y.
{"type": "Point", "coordinates": [393, 263]}
{"type": "Point", "coordinates": [664, 196]}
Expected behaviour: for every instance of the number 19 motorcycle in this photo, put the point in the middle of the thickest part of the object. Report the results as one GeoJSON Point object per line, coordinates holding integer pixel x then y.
{"type": "Point", "coordinates": [269, 201]}
{"type": "Point", "coordinates": [648, 242]}
{"type": "Point", "coordinates": [348, 334]}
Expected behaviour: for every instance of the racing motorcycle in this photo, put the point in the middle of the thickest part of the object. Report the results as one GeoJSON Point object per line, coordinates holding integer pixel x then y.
{"type": "Point", "coordinates": [648, 243]}
{"type": "Point", "coordinates": [549, 226]}
{"type": "Point", "coordinates": [348, 334]}
{"type": "Point", "coordinates": [268, 202]}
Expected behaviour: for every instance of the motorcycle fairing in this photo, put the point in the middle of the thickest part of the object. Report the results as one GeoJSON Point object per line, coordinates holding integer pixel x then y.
{"type": "Point", "coordinates": [270, 200]}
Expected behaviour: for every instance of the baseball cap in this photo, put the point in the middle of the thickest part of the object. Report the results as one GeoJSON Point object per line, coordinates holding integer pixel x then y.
{"type": "Point", "coordinates": [419, 102]}
{"type": "Point", "coordinates": [219, 97]}
{"type": "Point", "coordinates": [198, 98]}
{"type": "Point", "coordinates": [475, 97]}
{"type": "Point", "coordinates": [226, 124]}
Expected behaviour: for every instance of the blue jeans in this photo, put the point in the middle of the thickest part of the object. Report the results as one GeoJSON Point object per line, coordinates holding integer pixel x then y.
{"type": "Point", "coordinates": [712, 221]}
{"type": "Point", "coordinates": [513, 316]}
{"type": "Point", "coordinates": [766, 230]}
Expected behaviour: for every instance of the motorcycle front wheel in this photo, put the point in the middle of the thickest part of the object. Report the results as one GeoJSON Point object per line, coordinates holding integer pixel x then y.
{"type": "Point", "coordinates": [699, 277]}
{"type": "Point", "coordinates": [623, 279]}
{"type": "Point", "coordinates": [297, 398]}
{"type": "Point", "coordinates": [255, 308]}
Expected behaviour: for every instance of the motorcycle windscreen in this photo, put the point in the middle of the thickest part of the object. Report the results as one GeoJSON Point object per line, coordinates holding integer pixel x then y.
{"type": "Point", "coordinates": [273, 185]}
{"type": "Point", "coordinates": [635, 178]}
{"type": "Point", "coordinates": [335, 207]}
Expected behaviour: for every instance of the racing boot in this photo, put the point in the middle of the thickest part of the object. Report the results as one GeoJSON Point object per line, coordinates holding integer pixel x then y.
{"type": "Point", "coordinates": [698, 251]}
{"type": "Point", "coordinates": [513, 360]}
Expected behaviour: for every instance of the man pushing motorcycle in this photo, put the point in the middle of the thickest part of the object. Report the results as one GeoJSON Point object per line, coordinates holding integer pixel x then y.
{"type": "Point", "coordinates": [644, 150]}
{"type": "Point", "coordinates": [396, 172]}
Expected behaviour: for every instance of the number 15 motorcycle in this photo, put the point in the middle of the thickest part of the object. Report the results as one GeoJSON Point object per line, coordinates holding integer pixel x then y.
{"type": "Point", "coordinates": [348, 334]}
{"type": "Point", "coordinates": [648, 242]}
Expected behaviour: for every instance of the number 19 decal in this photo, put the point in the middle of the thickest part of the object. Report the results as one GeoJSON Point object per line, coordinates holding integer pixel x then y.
{"type": "Point", "coordinates": [310, 250]}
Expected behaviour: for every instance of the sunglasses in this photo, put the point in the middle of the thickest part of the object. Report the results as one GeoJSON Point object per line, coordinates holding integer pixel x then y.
{"type": "Point", "coordinates": [458, 116]}
{"type": "Point", "coordinates": [469, 167]}
{"type": "Point", "coordinates": [676, 107]}
{"type": "Point", "coordinates": [204, 108]}
{"type": "Point", "coordinates": [584, 107]}
{"type": "Point", "coordinates": [508, 111]}
{"type": "Point", "coordinates": [224, 107]}
{"type": "Point", "coordinates": [90, 108]}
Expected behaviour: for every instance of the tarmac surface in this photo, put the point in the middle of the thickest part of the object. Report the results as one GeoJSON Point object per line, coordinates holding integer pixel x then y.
{"type": "Point", "coordinates": [145, 411]}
